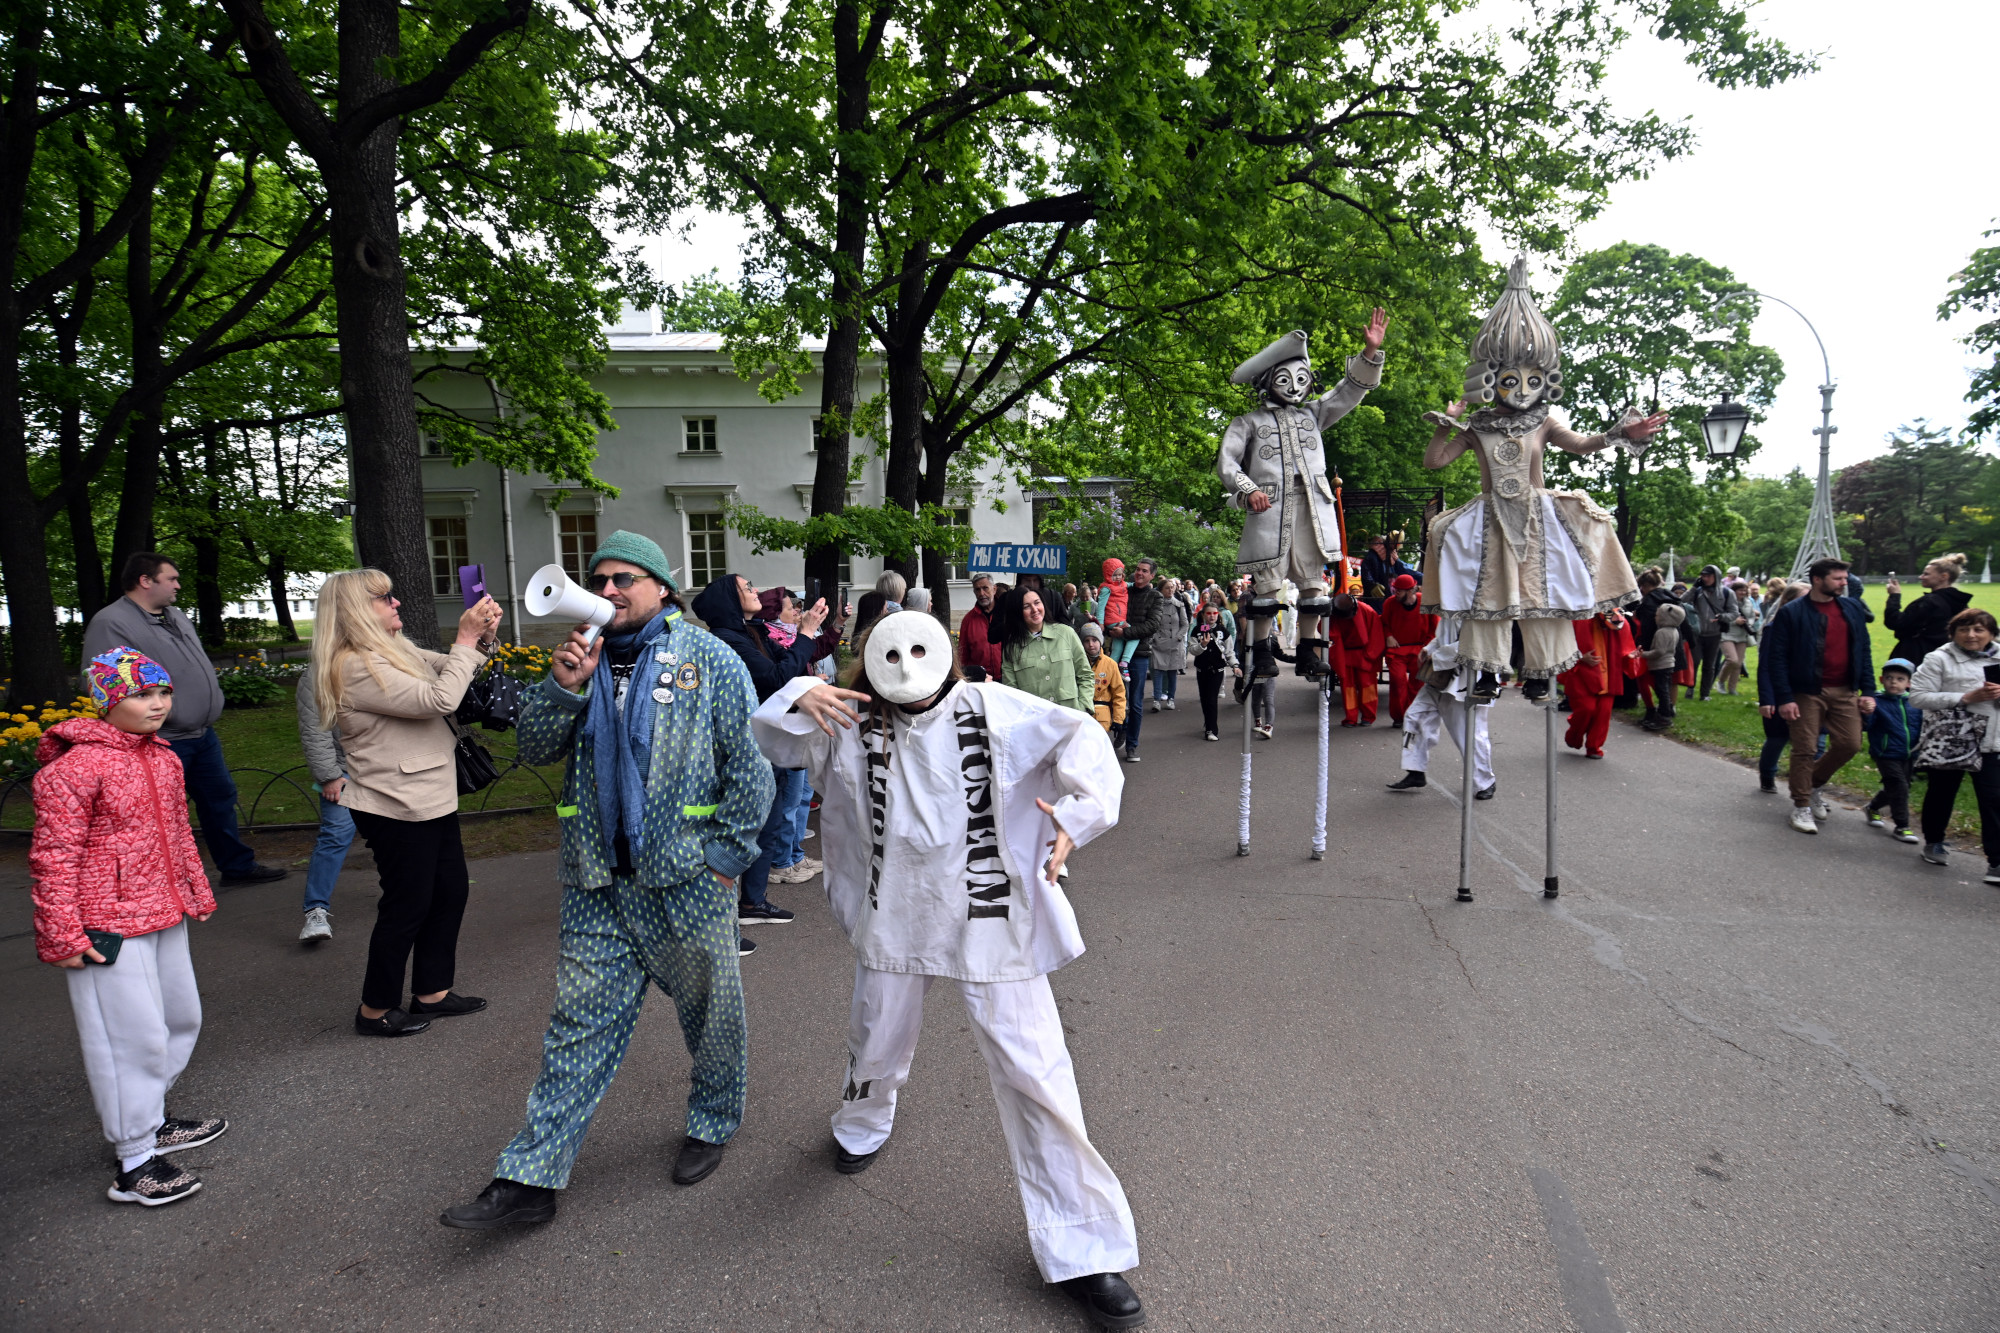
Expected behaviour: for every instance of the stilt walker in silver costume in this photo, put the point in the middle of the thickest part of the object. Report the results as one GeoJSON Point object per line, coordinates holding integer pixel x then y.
{"type": "Point", "coordinates": [1273, 465]}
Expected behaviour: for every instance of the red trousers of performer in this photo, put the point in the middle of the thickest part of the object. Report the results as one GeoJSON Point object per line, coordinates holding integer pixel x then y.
{"type": "Point", "coordinates": [1357, 690]}
{"type": "Point", "coordinates": [1589, 721]}
{"type": "Point", "coordinates": [1403, 684]}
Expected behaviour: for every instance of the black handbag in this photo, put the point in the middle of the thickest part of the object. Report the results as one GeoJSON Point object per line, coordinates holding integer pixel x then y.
{"type": "Point", "coordinates": [492, 701]}
{"type": "Point", "coordinates": [475, 766]}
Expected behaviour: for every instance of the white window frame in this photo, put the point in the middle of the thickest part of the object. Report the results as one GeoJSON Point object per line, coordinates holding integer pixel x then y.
{"type": "Point", "coordinates": [691, 429]}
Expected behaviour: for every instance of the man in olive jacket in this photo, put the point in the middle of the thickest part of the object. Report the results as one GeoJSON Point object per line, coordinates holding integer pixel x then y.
{"type": "Point", "coordinates": [664, 795]}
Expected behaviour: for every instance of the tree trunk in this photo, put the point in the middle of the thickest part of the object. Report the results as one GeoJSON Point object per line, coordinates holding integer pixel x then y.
{"type": "Point", "coordinates": [377, 399]}
{"type": "Point", "coordinates": [281, 603]}
{"type": "Point", "coordinates": [904, 367]}
{"type": "Point", "coordinates": [840, 367]}
{"type": "Point", "coordinates": [140, 491]}
{"type": "Point", "coordinates": [937, 570]}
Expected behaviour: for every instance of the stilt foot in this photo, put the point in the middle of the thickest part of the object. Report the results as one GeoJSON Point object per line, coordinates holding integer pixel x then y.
{"type": "Point", "coordinates": [1550, 889]}
{"type": "Point", "coordinates": [1318, 855]}
{"type": "Point", "coordinates": [1243, 849]}
{"type": "Point", "coordinates": [1465, 895]}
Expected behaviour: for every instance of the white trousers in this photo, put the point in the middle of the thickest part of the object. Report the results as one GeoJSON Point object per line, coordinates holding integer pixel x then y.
{"type": "Point", "coordinates": [1078, 1220]}
{"type": "Point", "coordinates": [137, 1020]}
{"type": "Point", "coordinates": [1433, 712]}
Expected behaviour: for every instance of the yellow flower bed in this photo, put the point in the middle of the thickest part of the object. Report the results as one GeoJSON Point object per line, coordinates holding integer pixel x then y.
{"type": "Point", "coordinates": [21, 731]}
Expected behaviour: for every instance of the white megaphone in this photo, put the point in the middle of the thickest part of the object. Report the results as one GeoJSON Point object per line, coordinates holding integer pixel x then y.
{"type": "Point", "coordinates": [551, 593]}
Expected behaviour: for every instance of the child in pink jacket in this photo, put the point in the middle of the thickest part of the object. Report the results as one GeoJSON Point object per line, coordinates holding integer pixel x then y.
{"type": "Point", "coordinates": [116, 876]}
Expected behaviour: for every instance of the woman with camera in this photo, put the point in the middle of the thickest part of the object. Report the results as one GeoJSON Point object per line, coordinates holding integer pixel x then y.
{"type": "Point", "coordinates": [1964, 674]}
{"type": "Point", "coordinates": [389, 700]}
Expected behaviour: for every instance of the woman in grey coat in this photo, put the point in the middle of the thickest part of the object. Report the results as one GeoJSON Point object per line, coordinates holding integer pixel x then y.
{"type": "Point", "coordinates": [1169, 652]}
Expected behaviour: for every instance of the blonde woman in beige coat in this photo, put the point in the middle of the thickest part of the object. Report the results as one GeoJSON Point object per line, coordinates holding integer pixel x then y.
{"type": "Point", "coordinates": [389, 699]}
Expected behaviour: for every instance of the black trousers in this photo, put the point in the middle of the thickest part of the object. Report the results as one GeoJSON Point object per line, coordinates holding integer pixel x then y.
{"type": "Point", "coordinates": [1711, 660]}
{"type": "Point", "coordinates": [1895, 791]}
{"type": "Point", "coordinates": [424, 887]}
{"type": "Point", "coordinates": [1210, 684]}
{"type": "Point", "coordinates": [1943, 793]}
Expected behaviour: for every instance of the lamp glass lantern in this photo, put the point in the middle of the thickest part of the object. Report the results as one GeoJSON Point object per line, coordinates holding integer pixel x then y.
{"type": "Point", "coordinates": [1722, 429]}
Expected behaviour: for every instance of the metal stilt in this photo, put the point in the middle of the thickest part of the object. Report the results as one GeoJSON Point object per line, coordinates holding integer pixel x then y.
{"type": "Point", "coordinates": [1325, 726]}
{"type": "Point", "coordinates": [1243, 796]}
{"type": "Point", "coordinates": [1468, 744]}
{"type": "Point", "coordinates": [1550, 889]}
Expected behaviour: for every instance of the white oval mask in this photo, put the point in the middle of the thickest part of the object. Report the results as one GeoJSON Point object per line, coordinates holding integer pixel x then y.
{"type": "Point", "coordinates": [908, 656]}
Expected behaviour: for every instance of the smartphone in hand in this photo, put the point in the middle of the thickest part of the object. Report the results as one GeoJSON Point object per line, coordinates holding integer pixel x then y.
{"type": "Point", "coordinates": [472, 582]}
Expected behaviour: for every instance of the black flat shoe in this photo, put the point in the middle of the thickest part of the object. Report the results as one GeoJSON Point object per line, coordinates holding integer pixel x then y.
{"type": "Point", "coordinates": [697, 1161]}
{"type": "Point", "coordinates": [1486, 686]}
{"type": "Point", "coordinates": [395, 1023]}
{"type": "Point", "coordinates": [1486, 793]}
{"type": "Point", "coordinates": [1411, 781]}
{"type": "Point", "coordinates": [452, 1005]}
{"type": "Point", "coordinates": [502, 1204]}
{"type": "Point", "coordinates": [1109, 1300]}
{"type": "Point", "coordinates": [852, 1163]}
{"type": "Point", "coordinates": [256, 874]}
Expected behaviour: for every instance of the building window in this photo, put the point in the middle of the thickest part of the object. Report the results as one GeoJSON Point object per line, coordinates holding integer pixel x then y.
{"type": "Point", "coordinates": [433, 446]}
{"type": "Point", "coordinates": [577, 535]}
{"type": "Point", "coordinates": [961, 517]}
{"type": "Point", "coordinates": [450, 548]}
{"type": "Point", "coordinates": [708, 549]}
{"type": "Point", "coordinates": [699, 437]}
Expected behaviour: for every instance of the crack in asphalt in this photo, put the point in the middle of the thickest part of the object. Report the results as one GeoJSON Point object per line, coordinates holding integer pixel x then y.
{"type": "Point", "coordinates": [1438, 935]}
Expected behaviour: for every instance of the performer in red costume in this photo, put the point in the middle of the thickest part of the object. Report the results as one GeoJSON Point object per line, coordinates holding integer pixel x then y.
{"type": "Point", "coordinates": [1595, 682]}
{"type": "Point", "coordinates": [1405, 630]}
{"type": "Point", "coordinates": [1357, 656]}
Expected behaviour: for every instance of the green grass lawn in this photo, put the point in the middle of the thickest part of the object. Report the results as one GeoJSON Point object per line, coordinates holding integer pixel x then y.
{"type": "Point", "coordinates": [1733, 725]}
{"type": "Point", "coordinates": [274, 786]}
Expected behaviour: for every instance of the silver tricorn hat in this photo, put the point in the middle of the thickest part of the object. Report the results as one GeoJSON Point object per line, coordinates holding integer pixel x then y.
{"type": "Point", "coordinates": [1291, 347]}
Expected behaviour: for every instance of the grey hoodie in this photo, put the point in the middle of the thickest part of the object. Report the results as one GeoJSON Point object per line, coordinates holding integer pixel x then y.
{"type": "Point", "coordinates": [172, 643]}
{"type": "Point", "coordinates": [1666, 637]}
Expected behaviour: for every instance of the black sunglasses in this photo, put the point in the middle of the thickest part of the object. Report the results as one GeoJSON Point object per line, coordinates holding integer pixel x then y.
{"type": "Point", "coordinates": [620, 581]}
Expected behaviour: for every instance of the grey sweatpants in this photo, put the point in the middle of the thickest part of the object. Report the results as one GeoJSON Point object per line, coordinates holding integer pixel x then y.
{"type": "Point", "coordinates": [137, 1020]}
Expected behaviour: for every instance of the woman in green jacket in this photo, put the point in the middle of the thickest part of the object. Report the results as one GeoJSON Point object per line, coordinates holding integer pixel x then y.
{"type": "Point", "coordinates": [1040, 657]}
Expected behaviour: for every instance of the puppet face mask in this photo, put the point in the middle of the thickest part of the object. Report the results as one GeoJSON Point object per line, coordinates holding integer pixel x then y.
{"type": "Point", "coordinates": [1521, 387]}
{"type": "Point", "coordinates": [908, 657]}
{"type": "Point", "coordinates": [1291, 382]}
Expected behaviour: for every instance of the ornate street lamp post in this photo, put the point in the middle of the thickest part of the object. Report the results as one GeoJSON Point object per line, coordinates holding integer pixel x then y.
{"type": "Point", "coordinates": [1722, 429]}
{"type": "Point", "coordinates": [1819, 540]}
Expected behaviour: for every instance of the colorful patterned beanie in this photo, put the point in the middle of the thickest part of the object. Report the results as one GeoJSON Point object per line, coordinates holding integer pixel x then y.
{"type": "Point", "coordinates": [123, 672]}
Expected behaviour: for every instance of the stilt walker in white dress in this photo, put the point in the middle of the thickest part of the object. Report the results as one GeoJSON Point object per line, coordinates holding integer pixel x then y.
{"type": "Point", "coordinates": [947, 810]}
{"type": "Point", "coordinates": [1519, 552]}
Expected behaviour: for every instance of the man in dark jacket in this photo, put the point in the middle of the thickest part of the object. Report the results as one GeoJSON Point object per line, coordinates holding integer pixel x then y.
{"type": "Point", "coordinates": [146, 618]}
{"type": "Point", "coordinates": [726, 607]}
{"type": "Point", "coordinates": [1142, 621]}
{"type": "Point", "coordinates": [978, 648]}
{"type": "Point", "coordinates": [1712, 608]}
{"type": "Point", "coordinates": [1820, 673]}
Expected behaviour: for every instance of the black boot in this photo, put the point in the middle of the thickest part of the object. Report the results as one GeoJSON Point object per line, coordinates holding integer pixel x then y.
{"type": "Point", "coordinates": [1410, 781]}
{"type": "Point", "coordinates": [1109, 1299]}
{"type": "Point", "coordinates": [502, 1204]}
{"type": "Point", "coordinates": [1311, 665]}
{"type": "Point", "coordinates": [1266, 658]}
{"type": "Point", "coordinates": [1486, 686]}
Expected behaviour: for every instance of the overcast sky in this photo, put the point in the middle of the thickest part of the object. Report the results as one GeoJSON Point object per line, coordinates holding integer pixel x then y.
{"type": "Point", "coordinates": [1854, 193]}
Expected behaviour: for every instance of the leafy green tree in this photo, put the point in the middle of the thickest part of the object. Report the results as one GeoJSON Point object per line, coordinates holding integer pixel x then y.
{"type": "Point", "coordinates": [1004, 196]}
{"type": "Point", "coordinates": [1659, 331]}
{"type": "Point", "coordinates": [1978, 290]}
{"type": "Point", "coordinates": [1913, 502]}
{"type": "Point", "coordinates": [1186, 544]}
{"type": "Point", "coordinates": [1774, 512]}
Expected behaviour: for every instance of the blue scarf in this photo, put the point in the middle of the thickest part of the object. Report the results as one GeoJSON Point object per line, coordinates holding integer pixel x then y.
{"type": "Point", "coordinates": [615, 749]}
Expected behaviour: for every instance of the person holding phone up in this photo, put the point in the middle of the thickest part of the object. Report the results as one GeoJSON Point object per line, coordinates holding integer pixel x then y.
{"type": "Point", "coordinates": [116, 876]}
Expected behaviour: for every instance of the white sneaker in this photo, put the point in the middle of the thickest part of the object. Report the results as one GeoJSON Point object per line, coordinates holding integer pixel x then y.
{"type": "Point", "coordinates": [1820, 808]}
{"type": "Point", "coordinates": [1153, 706]}
{"type": "Point", "coordinates": [1168, 705]}
{"type": "Point", "coordinates": [1803, 821]}
{"type": "Point", "coordinates": [805, 870]}
{"type": "Point", "coordinates": [318, 926]}
{"type": "Point", "coordinates": [809, 833]}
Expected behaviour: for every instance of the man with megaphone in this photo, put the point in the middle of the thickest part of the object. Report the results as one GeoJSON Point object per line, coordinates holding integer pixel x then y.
{"type": "Point", "coordinates": [662, 801]}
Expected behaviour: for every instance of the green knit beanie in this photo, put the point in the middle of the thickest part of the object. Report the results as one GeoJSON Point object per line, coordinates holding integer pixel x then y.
{"type": "Point", "coordinates": [634, 549]}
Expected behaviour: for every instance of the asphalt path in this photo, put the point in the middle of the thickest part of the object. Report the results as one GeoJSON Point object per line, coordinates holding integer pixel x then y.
{"type": "Point", "coordinates": [1734, 1078]}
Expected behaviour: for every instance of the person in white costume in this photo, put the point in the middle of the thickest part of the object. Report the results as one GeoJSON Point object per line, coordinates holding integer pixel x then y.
{"type": "Point", "coordinates": [947, 810]}
{"type": "Point", "coordinates": [1440, 707]}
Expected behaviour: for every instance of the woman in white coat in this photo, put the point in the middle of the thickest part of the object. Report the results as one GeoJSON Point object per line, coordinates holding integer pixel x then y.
{"type": "Point", "coordinates": [1955, 676]}
{"type": "Point", "coordinates": [947, 809]}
